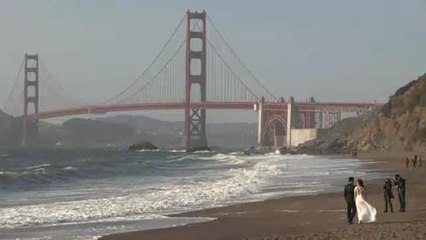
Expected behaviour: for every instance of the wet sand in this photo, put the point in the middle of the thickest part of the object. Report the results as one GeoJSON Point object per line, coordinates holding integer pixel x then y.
{"type": "Point", "coordinates": [320, 216]}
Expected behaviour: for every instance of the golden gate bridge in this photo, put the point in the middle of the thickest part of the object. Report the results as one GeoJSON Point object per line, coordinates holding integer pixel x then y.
{"type": "Point", "coordinates": [196, 70]}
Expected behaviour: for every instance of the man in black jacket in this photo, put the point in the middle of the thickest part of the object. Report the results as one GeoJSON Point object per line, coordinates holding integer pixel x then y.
{"type": "Point", "coordinates": [388, 194]}
{"type": "Point", "coordinates": [400, 184]}
{"type": "Point", "coordinates": [350, 199]}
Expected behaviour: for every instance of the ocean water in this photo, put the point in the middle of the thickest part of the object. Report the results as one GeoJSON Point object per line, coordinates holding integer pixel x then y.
{"type": "Point", "coordinates": [83, 194]}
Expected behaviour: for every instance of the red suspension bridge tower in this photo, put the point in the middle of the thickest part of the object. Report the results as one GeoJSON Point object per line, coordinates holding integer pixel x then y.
{"type": "Point", "coordinates": [195, 75]}
{"type": "Point", "coordinates": [31, 98]}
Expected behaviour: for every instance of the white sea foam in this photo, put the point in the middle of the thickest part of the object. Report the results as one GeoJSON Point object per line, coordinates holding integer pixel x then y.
{"type": "Point", "coordinates": [236, 153]}
{"type": "Point", "coordinates": [167, 198]}
{"type": "Point", "coordinates": [148, 150]}
{"type": "Point", "coordinates": [223, 158]}
{"type": "Point", "coordinates": [70, 168]}
{"type": "Point", "coordinates": [41, 166]}
{"type": "Point", "coordinates": [204, 151]}
{"type": "Point", "coordinates": [8, 173]}
{"type": "Point", "coordinates": [176, 151]}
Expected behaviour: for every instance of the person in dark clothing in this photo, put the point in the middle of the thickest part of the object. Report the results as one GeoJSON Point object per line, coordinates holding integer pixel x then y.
{"type": "Point", "coordinates": [414, 161]}
{"type": "Point", "coordinates": [388, 195]}
{"type": "Point", "coordinates": [400, 184]}
{"type": "Point", "coordinates": [350, 199]}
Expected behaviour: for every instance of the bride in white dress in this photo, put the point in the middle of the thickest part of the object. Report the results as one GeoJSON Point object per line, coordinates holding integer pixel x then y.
{"type": "Point", "coordinates": [366, 213]}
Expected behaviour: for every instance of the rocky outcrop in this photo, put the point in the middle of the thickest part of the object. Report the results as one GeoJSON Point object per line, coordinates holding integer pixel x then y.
{"type": "Point", "coordinates": [400, 125]}
{"type": "Point", "coordinates": [197, 149]}
{"type": "Point", "coordinates": [335, 139]}
{"type": "Point", "coordinates": [334, 145]}
{"type": "Point", "coordinates": [143, 145]}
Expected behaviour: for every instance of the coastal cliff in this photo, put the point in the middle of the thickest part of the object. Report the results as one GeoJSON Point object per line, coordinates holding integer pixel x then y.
{"type": "Point", "coordinates": [400, 125]}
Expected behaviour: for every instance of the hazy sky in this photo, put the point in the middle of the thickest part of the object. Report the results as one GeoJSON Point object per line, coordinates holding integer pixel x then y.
{"type": "Point", "coordinates": [333, 50]}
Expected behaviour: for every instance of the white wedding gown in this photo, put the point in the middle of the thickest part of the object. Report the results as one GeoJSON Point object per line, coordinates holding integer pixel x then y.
{"type": "Point", "coordinates": [365, 212]}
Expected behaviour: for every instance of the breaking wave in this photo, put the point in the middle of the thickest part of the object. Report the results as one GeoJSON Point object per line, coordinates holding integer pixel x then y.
{"type": "Point", "coordinates": [48, 188]}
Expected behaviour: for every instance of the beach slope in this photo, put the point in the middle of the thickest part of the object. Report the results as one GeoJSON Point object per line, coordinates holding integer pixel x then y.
{"type": "Point", "coordinates": [321, 216]}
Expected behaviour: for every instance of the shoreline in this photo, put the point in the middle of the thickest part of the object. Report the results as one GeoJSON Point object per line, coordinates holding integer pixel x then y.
{"type": "Point", "coordinates": [305, 216]}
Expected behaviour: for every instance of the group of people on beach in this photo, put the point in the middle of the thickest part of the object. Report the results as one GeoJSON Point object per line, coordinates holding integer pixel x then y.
{"type": "Point", "coordinates": [416, 160]}
{"type": "Point", "coordinates": [399, 183]}
{"type": "Point", "coordinates": [356, 199]}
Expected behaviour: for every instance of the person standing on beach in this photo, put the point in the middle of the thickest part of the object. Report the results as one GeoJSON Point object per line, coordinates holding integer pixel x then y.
{"type": "Point", "coordinates": [366, 213]}
{"type": "Point", "coordinates": [420, 161]}
{"type": "Point", "coordinates": [407, 162]}
{"type": "Point", "coordinates": [400, 184]}
{"type": "Point", "coordinates": [414, 160]}
{"type": "Point", "coordinates": [350, 199]}
{"type": "Point", "coordinates": [388, 194]}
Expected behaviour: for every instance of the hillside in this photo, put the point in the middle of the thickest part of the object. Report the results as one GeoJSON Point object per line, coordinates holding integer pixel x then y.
{"type": "Point", "coordinates": [347, 126]}
{"type": "Point", "coordinates": [400, 125]}
{"type": "Point", "coordinates": [91, 133]}
{"type": "Point", "coordinates": [5, 121]}
{"type": "Point", "coordinates": [10, 130]}
{"type": "Point", "coordinates": [122, 131]}
{"type": "Point", "coordinates": [169, 134]}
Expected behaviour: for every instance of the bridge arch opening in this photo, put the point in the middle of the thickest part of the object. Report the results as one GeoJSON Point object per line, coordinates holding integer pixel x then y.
{"type": "Point", "coordinates": [196, 24]}
{"type": "Point", "coordinates": [195, 93]}
{"type": "Point", "coordinates": [196, 69]}
{"type": "Point", "coordinates": [31, 91]}
{"type": "Point", "coordinates": [275, 131]}
{"type": "Point", "coordinates": [31, 108]}
{"type": "Point", "coordinates": [196, 44]}
{"type": "Point", "coordinates": [301, 120]}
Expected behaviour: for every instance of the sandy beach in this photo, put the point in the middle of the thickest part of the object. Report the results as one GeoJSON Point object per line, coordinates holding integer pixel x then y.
{"type": "Point", "coordinates": [320, 216]}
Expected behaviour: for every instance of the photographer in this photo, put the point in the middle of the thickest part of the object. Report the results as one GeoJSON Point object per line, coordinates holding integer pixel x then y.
{"type": "Point", "coordinates": [400, 184]}
{"type": "Point", "coordinates": [388, 195]}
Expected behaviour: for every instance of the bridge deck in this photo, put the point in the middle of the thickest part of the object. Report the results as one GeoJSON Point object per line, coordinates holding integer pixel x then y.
{"type": "Point", "coordinates": [301, 106]}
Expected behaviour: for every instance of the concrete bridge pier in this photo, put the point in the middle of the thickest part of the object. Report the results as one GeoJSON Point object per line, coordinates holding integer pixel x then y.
{"type": "Point", "coordinates": [259, 108]}
{"type": "Point", "coordinates": [283, 124]}
{"type": "Point", "coordinates": [289, 120]}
